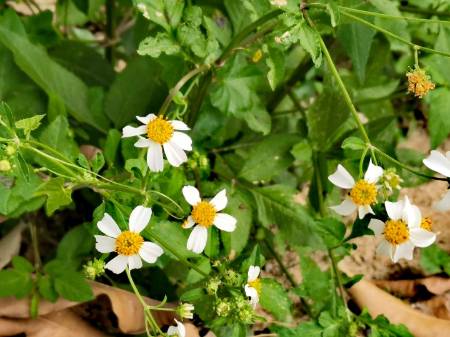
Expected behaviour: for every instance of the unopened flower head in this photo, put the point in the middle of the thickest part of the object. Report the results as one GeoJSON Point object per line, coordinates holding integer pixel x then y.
{"type": "Point", "coordinates": [402, 231]}
{"type": "Point", "coordinates": [232, 278]}
{"type": "Point", "coordinates": [213, 285]}
{"type": "Point", "coordinates": [257, 56]}
{"type": "Point", "coordinates": [10, 150]}
{"type": "Point", "coordinates": [440, 163]}
{"type": "Point", "coordinates": [161, 134]}
{"type": "Point", "coordinates": [223, 307]}
{"type": "Point", "coordinates": [253, 286]}
{"type": "Point", "coordinates": [362, 193]}
{"type": "Point", "coordinates": [246, 315]}
{"type": "Point", "coordinates": [177, 331]}
{"type": "Point", "coordinates": [419, 82]}
{"type": "Point", "coordinates": [5, 165]}
{"type": "Point", "coordinates": [93, 269]}
{"type": "Point", "coordinates": [391, 180]}
{"type": "Point", "coordinates": [205, 213]}
{"type": "Point", "coordinates": [129, 245]}
{"type": "Point", "coordinates": [186, 310]}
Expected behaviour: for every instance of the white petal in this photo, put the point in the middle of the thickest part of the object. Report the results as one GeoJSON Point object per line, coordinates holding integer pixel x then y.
{"type": "Point", "coordinates": [181, 329]}
{"type": "Point", "coordinates": [143, 142]}
{"type": "Point", "coordinates": [146, 119]}
{"type": "Point", "coordinates": [130, 131]}
{"type": "Point", "coordinates": [377, 226]}
{"type": "Point", "coordinates": [421, 237]}
{"type": "Point", "coordinates": [412, 214]}
{"type": "Point", "coordinates": [191, 194]}
{"type": "Point", "coordinates": [182, 140]}
{"type": "Point", "coordinates": [253, 294]}
{"type": "Point", "coordinates": [150, 252]}
{"type": "Point", "coordinates": [105, 244]}
{"type": "Point", "coordinates": [373, 173]}
{"type": "Point", "coordinates": [403, 251]}
{"type": "Point", "coordinates": [188, 223]}
{"type": "Point", "coordinates": [225, 222]}
{"type": "Point", "coordinates": [108, 226]}
{"type": "Point", "coordinates": [134, 262]}
{"type": "Point", "coordinates": [139, 218]}
{"type": "Point", "coordinates": [347, 207]}
{"type": "Point", "coordinates": [385, 248]}
{"type": "Point", "coordinates": [220, 200]}
{"type": "Point", "coordinates": [172, 330]}
{"type": "Point", "coordinates": [118, 264]}
{"type": "Point", "coordinates": [436, 161]}
{"type": "Point", "coordinates": [444, 204]}
{"type": "Point", "coordinates": [394, 209]}
{"type": "Point", "coordinates": [175, 155]}
{"type": "Point", "coordinates": [179, 125]}
{"type": "Point", "coordinates": [197, 239]}
{"type": "Point", "coordinates": [253, 273]}
{"type": "Point", "coordinates": [342, 178]}
{"type": "Point", "coordinates": [155, 160]}
{"type": "Point", "coordinates": [364, 210]}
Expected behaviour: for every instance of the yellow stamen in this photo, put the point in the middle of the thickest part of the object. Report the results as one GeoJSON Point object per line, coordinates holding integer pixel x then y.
{"type": "Point", "coordinates": [159, 130]}
{"type": "Point", "coordinates": [256, 284]}
{"type": "Point", "coordinates": [364, 193]}
{"type": "Point", "coordinates": [427, 224]}
{"type": "Point", "coordinates": [204, 213]}
{"type": "Point", "coordinates": [128, 243]}
{"type": "Point", "coordinates": [396, 232]}
{"type": "Point", "coordinates": [419, 82]}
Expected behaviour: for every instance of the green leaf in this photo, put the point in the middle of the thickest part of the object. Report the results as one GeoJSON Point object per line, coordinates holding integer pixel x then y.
{"type": "Point", "coordinates": [51, 77]}
{"type": "Point", "coordinates": [213, 243]}
{"type": "Point", "coordinates": [268, 158]}
{"type": "Point", "coordinates": [128, 98]}
{"type": "Point", "coordinates": [29, 124]}
{"type": "Point", "coordinates": [435, 260]}
{"type": "Point", "coordinates": [111, 146]}
{"type": "Point", "coordinates": [57, 194]}
{"type": "Point", "coordinates": [15, 283]}
{"type": "Point", "coordinates": [275, 299]}
{"type": "Point", "coordinates": [275, 60]}
{"type": "Point", "coordinates": [275, 205]}
{"type": "Point", "coordinates": [357, 40]}
{"type": "Point", "coordinates": [22, 264]}
{"type": "Point", "coordinates": [166, 13]}
{"type": "Point", "coordinates": [309, 40]}
{"type": "Point", "coordinates": [439, 115]}
{"type": "Point", "coordinates": [157, 45]}
{"type": "Point", "coordinates": [98, 162]}
{"type": "Point", "coordinates": [331, 230]}
{"type": "Point", "coordinates": [437, 65]}
{"type": "Point", "coordinates": [302, 151]}
{"type": "Point", "coordinates": [73, 287]}
{"type": "Point", "coordinates": [354, 143]}
{"type": "Point", "coordinates": [47, 289]}
{"type": "Point", "coordinates": [76, 243]}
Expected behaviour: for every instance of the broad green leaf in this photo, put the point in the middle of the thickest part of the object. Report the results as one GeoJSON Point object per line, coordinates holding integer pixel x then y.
{"type": "Point", "coordinates": [73, 287]}
{"type": "Point", "coordinates": [29, 124]}
{"type": "Point", "coordinates": [275, 299]}
{"type": "Point", "coordinates": [51, 77]}
{"type": "Point", "coordinates": [128, 98]}
{"type": "Point", "coordinates": [354, 143]}
{"type": "Point", "coordinates": [302, 151]}
{"type": "Point", "coordinates": [275, 60]}
{"type": "Point", "coordinates": [434, 260]}
{"type": "Point", "coordinates": [76, 243]}
{"type": "Point", "coordinates": [357, 40]}
{"type": "Point", "coordinates": [437, 65]}
{"type": "Point", "coordinates": [57, 194]}
{"type": "Point", "coordinates": [22, 264]}
{"type": "Point", "coordinates": [154, 46]}
{"type": "Point", "coordinates": [112, 146]}
{"type": "Point", "coordinates": [268, 158]}
{"type": "Point", "coordinates": [439, 115]}
{"type": "Point", "coordinates": [15, 283]}
{"type": "Point", "coordinates": [309, 40]}
{"type": "Point", "coordinates": [166, 13]}
{"type": "Point", "coordinates": [332, 231]}
{"type": "Point", "coordinates": [47, 288]}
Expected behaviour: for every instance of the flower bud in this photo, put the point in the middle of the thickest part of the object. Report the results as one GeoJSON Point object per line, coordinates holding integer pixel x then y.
{"type": "Point", "coordinates": [232, 278]}
{"type": "Point", "coordinates": [186, 310]}
{"type": "Point", "coordinates": [5, 165]}
{"type": "Point", "coordinates": [10, 150]}
{"type": "Point", "coordinates": [223, 308]}
{"type": "Point", "coordinates": [93, 269]}
{"type": "Point", "coordinates": [213, 285]}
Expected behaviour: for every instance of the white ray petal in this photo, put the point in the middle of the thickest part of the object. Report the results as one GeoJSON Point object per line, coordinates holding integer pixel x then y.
{"type": "Point", "coordinates": [444, 204]}
{"type": "Point", "coordinates": [182, 140]}
{"type": "Point", "coordinates": [105, 244]}
{"type": "Point", "coordinates": [421, 237]}
{"type": "Point", "coordinates": [437, 162]}
{"type": "Point", "coordinates": [155, 160]}
{"type": "Point", "coordinates": [342, 178]}
{"type": "Point", "coordinates": [394, 209]}
{"type": "Point", "coordinates": [146, 119]}
{"type": "Point", "coordinates": [150, 252]}
{"type": "Point", "coordinates": [175, 155]}
{"type": "Point", "coordinates": [220, 200]}
{"type": "Point", "coordinates": [179, 125]}
{"type": "Point", "coordinates": [347, 207]}
{"type": "Point", "coordinates": [225, 222]}
{"type": "Point", "coordinates": [118, 264]}
{"type": "Point", "coordinates": [373, 173]}
{"type": "Point", "coordinates": [130, 131]}
{"type": "Point", "coordinates": [197, 239]}
{"type": "Point", "coordinates": [253, 273]}
{"type": "Point", "coordinates": [377, 226]}
{"type": "Point", "coordinates": [364, 210]}
{"type": "Point", "coordinates": [191, 194]}
{"type": "Point", "coordinates": [134, 262]}
{"type": "Point", "coordinates": [139, 218]}
{"type": "Point", "coordinates": [108, 226]}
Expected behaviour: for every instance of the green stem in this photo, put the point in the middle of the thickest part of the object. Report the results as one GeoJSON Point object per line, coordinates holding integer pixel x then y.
{"type": "Point", "coordinates": [281, 264]}
{"type": "Point", "coordinates": [415, 10]}
{"type": "Point", "coordinates": [395, 36]}
{"type": "Point", "coordinates": [110, 26]}
{"type": "Point", "coordinates": [337, 277]}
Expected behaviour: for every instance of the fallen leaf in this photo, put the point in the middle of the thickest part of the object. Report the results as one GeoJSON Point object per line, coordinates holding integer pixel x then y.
{"type": "Point", "coordinates": [410, 288]}
{"type": "Point", "coordinates": [438, 306]}
{"type": "Point", "coordinates": [10, 245]}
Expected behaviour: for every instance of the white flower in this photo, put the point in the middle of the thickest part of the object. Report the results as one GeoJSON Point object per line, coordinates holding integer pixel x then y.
{"type": "Point", "coordinates": [402, 232]}
{"type": "Point", "coordinates": [436, 161]}
{"type": "Point", "coordinates": [186, 310]}
{"type": "Point", "coordinates": [161, 135]}
{"type": "Point", "coordinates": [178, 330]}
{"type": "Point", "coordinates": [129, 245]}
{"type": "Point", "coordinates": [205, 214]}
{"type": "Point", "coordinates": [363, 193]}
{"type": "Point", "coordinates": [253, 286]}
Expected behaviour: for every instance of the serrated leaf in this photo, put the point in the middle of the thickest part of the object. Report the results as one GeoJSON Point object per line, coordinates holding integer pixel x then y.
{"type": "Point", "coordinates": [275, 299]}
{"type": "Point", "coordinates": [29, 124]}
{"type": "Point", "coordinates": [166, 13]}
{"type": "Point", "coordinates": [354, 143]}
{"type": "Point", "coordinates": [309, 40]}
{"type": "Point", "coordinates": [439, 115]}
{"type": "Point", "coordinates": [47, 288]}
{"type": "Point", "coordinates": [275, 60]}
{"type": "Point", "coordinates": [57, 194]}
{"type": "Point", "coordinates": [22, 264]}
{"type": "Point", "coordinates": [157, 45]}
{"type": "Point", "coordinates": [15, 283]}
{"type": "Point", "coordinates": [73, 287]}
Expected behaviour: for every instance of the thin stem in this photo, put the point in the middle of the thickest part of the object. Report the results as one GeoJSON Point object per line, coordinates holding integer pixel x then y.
{"type": "Point", "coordinates": [281, 264]}
{"type": "Point", "coordinates": [110, 26]}
{"type": "Point", "coordinates": [337, 277]}
{"type": "Point", "coordinates": [394, 36]}
{"type": "Point", "coordinates": [406, 167]}
{"type": "Point", "coordinates": [35, 244]}
{"type": "Point", "coordinates": [416, 57]}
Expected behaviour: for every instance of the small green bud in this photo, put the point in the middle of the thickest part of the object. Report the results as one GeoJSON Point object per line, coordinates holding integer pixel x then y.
{"type": "Point", "coordinates": [240, 302]}
{"type": "Point", "coordinates": [185, 310]}
{"type": "Point", "coordinates": [10, 150]}
{"type": "Point", "coordinates": [213, 285]}
{"type": "Point", "coordinates": [246, 315]}
{"type": "Point", "coordinates": [391, 180]}
{"type": "Point", "coordinates": [93, 269]}
{"type": "Point", "coordinates": [223, 308]}
{"type": "Point", "coordinates": [232, 278]}
{"type": "Point", "coordinates": [5, 165]}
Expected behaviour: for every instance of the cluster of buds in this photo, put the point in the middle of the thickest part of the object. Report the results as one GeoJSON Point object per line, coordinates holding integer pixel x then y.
{"type": "Point", "coordinates": [213, 285]}
{"type": "Point", "coordinates": [419, 82]}
{"type": "Point", "coordinates": [185, 311]}
{"type": "Point", "coordinates": [93, 269]}
{"type": "Point", "coordinates": [232, 278]}
{"type": "Point", "coordinates": [199, 161]}
{"type": "Point", "coordinates": [235, 308]}
{"type": "Point", "coordinates": [391, 180]}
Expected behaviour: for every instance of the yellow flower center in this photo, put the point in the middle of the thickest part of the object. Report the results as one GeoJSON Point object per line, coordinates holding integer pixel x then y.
{"type": "Point", "coordinates": [419, 82]}
{"type": "Point", "coordinates": [128, 243]}
{"type": "Point", "coordinates": [159, 130]}
{"type": "Point", "coordinates": [364, 193]}
{"type": "Point", "coordinates": [427, 224]}
{"type": "Point", "coordinates": [396, 232]}
{"type": "Point", "coordinates": [204, 213]}
{"type": "Point", "coordinates": [256, 284]}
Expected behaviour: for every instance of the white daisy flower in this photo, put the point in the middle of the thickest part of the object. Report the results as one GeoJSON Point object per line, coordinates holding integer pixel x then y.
{"type": "Point", "coordinates": [363, 193]}
{"type": "Point", "coordinates": [129, 245]}
{"type": "Point", "coordinates": [205, 214]}
{"type": "Point", "coordinates": [186, 310]}
{"type": "Point", "coordinates": [403, 231]}
{"type": "Point", "coordinates": [253, 286]}
{"type": "Point", "coordinates": [178, 331]}
{"type": "Point", "coordinates": [439, 163]}
{"type": "Point", "coordinates": [161, 134]}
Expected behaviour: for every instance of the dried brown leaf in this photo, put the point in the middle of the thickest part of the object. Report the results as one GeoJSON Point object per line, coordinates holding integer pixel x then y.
{"type": "Point", "coordinates": [10, 245]}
